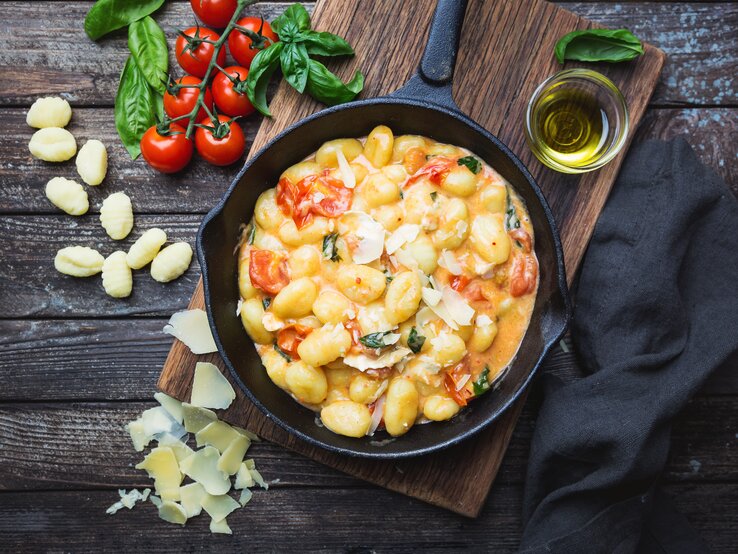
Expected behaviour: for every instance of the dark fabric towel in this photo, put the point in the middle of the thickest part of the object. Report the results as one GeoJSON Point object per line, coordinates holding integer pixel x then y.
{"type": "Point", "coordinates": [656, 311]}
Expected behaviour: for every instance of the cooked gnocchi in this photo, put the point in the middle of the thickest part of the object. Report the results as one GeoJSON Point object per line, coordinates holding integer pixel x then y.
{"type": "Point", "coordinates": [116, 215]}
{"type": "Point", "coordinates": [67, 195]}
{"type": "Point", "coordinates": [387, 281]}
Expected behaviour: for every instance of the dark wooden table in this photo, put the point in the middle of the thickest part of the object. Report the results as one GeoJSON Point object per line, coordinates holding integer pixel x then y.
{"type": "Point", "coordinates": [76, 365]}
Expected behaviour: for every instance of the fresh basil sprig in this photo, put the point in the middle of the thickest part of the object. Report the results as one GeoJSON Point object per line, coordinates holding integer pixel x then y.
{"type": "Point", "coordinates": [148, 46]}
{"type": "Point", "coordinates": [297, 42]}
{"type": "Point", "coordinates": [134, 107]}
{"type": "Point", "coordinates": [599, 45]}
{"type": "Point", "coordinates": [108, 15]}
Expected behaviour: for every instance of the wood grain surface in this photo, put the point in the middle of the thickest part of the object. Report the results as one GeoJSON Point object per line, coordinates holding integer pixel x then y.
{"type": "Point", "coordinates": [495, 76]}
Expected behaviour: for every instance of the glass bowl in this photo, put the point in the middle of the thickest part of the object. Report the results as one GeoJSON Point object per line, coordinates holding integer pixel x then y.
{"type": "Point", "coordinates": [553, 109]}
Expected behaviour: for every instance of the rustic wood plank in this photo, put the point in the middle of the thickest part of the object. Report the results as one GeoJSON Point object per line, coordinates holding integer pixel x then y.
{"type": "Point", "coordinates": [318, 520]}
{"type": "Point", "coordinates": [699, 39]}
{"type": "Point", "coordinates": [712, 132]}
{"type": "Point", "coordinates": [31, 287]}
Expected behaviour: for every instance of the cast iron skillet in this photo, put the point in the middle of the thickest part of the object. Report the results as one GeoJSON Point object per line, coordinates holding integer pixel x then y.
{"type": "Point", "coordinates": [424, 107]}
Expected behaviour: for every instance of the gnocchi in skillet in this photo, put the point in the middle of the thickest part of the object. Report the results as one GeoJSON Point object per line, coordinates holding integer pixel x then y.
{"type": "Point", "coordinates": [387, 281]}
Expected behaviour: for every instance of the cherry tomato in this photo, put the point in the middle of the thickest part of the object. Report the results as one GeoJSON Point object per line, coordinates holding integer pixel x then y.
{"type": "Point", "coordinates": [523, 275]}
{"type": "Point", "coordinates": [245, 46]}
{"type": "Point", "coordinates": [435, 170]}
{"type": "Point", "coordinates": [315, 194]}
{"type": "Point", "coordinates": [268, 270]}
{"type": "Point", "coordinates": [195, 59]}
{"type": "Point", "coordinates": [222, 146]}
{"type": "Point", "coordinates": [181, 102]}
{"type": "Point", "coordinates": [231, 97]}
{"type": "Point", "coordinates": [216, 13]}
{"type": "Point", "coordinates": [458, 282]}
{"type": "Point", "coordinates": [289, 338]}
{"type": "Point", "coordinates": [168, 152]}
{"type": "Point", "coordinates": [453, 377]}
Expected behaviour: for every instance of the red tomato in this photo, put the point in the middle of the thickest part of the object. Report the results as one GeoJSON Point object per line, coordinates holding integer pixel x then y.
{"type": "Point", "coordinates": [181, 102]}
{"type": "Point", "coordinates": [289, 338]}
{"type": "Point", "coordinates": [453, 377]}
{"type": "Point", "coordinates": [194, 56]}
{"type": "Point", "coordinates": [458, 282]}
{"type": "Point", "coordinates": [222, 146]}
{"type": "Point", "coordinates": [231, 97]}
{"type": "Point", "coordinates": [268, 270]}
{"type": "Point", "coordinates": [315, 194]}
{"type": "Point", "coordinates": [245, 46]}
{"type": "Point", "coordinates": [435, 170]}
{"type": "Point", "coordinates": [216, 13]}
{"type": "Point", "coordinates": [523, 275]}
{"type": "Point", "coordinates": [167, 152]}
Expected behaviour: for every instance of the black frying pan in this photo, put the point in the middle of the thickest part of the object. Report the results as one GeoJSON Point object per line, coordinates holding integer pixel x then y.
{"type": "Point", "coordinates": [424, 106]}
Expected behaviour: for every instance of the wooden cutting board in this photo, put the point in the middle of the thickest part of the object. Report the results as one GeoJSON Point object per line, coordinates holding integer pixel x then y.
{"type": "Point", "coordinates": [506, 51]}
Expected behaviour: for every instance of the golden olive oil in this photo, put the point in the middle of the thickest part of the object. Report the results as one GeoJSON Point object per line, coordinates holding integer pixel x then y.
{"type": "Point", "coordinates": [572, 126]}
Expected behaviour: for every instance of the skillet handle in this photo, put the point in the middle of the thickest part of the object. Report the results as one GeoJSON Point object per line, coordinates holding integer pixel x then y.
{"type": "Point", "coordinates": [432, 82]}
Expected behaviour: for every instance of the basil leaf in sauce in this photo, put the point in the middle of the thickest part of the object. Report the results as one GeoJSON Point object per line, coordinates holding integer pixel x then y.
{"type": "Point", "coordinates": [511, 215]}
{"type": "Point", "coordinates": [471, 163]}
{"type": "Point", "coordinates": [252, 234]}
{"type": "Point", "coordinates": [266, 302]}
{"type": "Point", "coordinates": [598, 45]}
{"type": "Point", "coordinates": [415, 341]}
{"type": "Point", "coordinates": [330, 251]}
{"type": "Point", "coordinates": [148, 46]}
{"type": "Point", "coordinates": [263, 65]}
{"type": "Point", "coordinates": [434, 195]}
{"type": "Point", "coordinates": [482, 384]}
{"type": "Point", "coordinates": [374, 340]}
{"type": "Point", "coordinates": [134, 107]}
{"type": "Point", "coordinates": [282, 353]}
{"type": "Point", "coordinates": [108, 15]}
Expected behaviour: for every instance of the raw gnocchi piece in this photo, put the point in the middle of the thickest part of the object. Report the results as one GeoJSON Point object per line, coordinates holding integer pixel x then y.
{"type": "Point", "coordinates": [116, 215]}
{"type": "Point", "coordinates": [78, 261]}
{"type": "Point", "coordinates": [347, 418]}
{"type": "Point", "coordinates": [146, 248]}
{"type": "Point", "coordinates": [116, 275]}
{"type": "Point", "coordinates": [53, 144]}
{"type": "Point", "coordinates": [50, 111]}
{"type": "Point", "coordinates": [171, 262]}
{"type": "Point", "coordinates": [67, 195]}
{"type": "Point", "coordinates": [92, 162]}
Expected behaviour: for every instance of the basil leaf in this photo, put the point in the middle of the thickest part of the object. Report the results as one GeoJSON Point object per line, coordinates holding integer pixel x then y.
{"type": "Point", "coordinates": [134, 107]}
{"type": "Point", "coordinates": [433, 195]}
{"type": "Point", "coordinates": [481, 385]}
{"type": "Point", "coordinates": [252, 234]}
{"type": "Point", "coordinates": [599, 45]}
{"type": "Point", "coordinates": [295, 14]}
{"type": "Point", "coordinates": [388, 276]}
{"type": "Point", "coordinates": [282, 353]}
{"type": "Point", "coordinates": [294, 60]}
{"type": "Point", "coordinates": [324, 44]}
{"type": "Point", "coordinates": [471, 163]}
{"type": "Point", "coordinates": [374, 340]}
{"type": "Point", "coordinates": [148, 45]}
{"type": "Point", "coordinates": [325, 87]}
{"type": "Point", "coordinates": [262, 67]}
{"type": "Point", "coordinates": [330, 252]}
{"type": "Point", "coordinates": [266, 302]}
{"type": "Point", "coordinates": [511, 216]}
{"type": "Point", "coordinates": [415, 341]}
{"type": "Point", "coordinates": [108, 15]}
{"type": "Point", "coordinates": [158, 106]}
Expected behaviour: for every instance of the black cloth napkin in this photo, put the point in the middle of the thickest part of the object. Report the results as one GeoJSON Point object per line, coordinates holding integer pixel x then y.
{"type": "Point", "coordinates": [656, 311]}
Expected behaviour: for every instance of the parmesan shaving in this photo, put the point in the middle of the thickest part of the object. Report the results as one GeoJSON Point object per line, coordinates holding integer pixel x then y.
{"type": "Point", "coordinates": [483, 319]}
{"type": "Point", "coordinates": [171, 405]}
{"type": "Point", "coordinates": [449, 261]}
{"type": "Point", "coordinates": [210, 388]}
{"type": "Point", "coordinates": [192, 328]}
{"type": "Point", "coordinates": [178, 446]}
{"type": "Point", "coordinates": [424, 316]}
{"type": "Point", "coordinates": [220, 527]}
{"type": "Point", "coordinates": [463, 381]}
{"type": "Point", "coordinates": [156, 421]}
{"type": "Point", "coordinates": [243, 477]}
{"type": "Point", "coordinates": [128, 499]}
{"type": "Point", "coordinates": [271, 322]}
{"type": "Point", "coordinates": [390, 338]}
{"type": "Point", "coordinates": [363, 362]}
{"type": "Point", "coordinates": [406, 258]}
{"type": "Point", "coordinates": [172, 512]}
{"type": "Point", "coordinates": [196, 418]}
{"type": "Point", "coordinates": [139, 438]}
{"type": "Point", "coordinates": [347, 174]}
{"type": "Point", "coordinates": [442, 311]}
{"type": "Point", "coordinates": [230, 460]}
{"type": "Point", "coordinates": [239, 306]}
{"type": "Point", "coordinates": [461, 312]}
{"type": "Point", "coordinates": [202, 466]}
{"type": "Point", "coordinates": [191, 498]}
{"type": "Point", "coordinates": [376, 415]}
{"type": "Point", "coordinates": [371, 239]}
{"type": "Point", "coordinates": [219, 506]}
{"type": "Point", "coordinates": [218, 434]}
{"type": "Point", "coordinates": [258, 479]}
{"type": "Point", "coordinates": [162, 466]}
{"type": "Point", "coordinates": [246, 496]}
{"type": "Point", "coordinates": [431, 296]}
{"type": "Point", "coordinates": [403, 234]}
{"type": "Point", "coordinates": [461, 228]}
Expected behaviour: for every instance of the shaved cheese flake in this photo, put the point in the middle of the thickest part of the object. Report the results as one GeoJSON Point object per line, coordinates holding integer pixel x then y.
{"type": "Point", "coordinates": [246, 496]}
{"type": "Point", "coordinates": [191, 498]}
{"type": "Point", "coordinates": [243, 477]}
{"type": "Point", "coordinates": [177, 444]}
{"type": "Point", "coordinates": [449, 261]}
{"type": "Point", "coordinates": [196, 418]}
{"type": "Point", "coordinates": [377, 415]}
{"type": "Point", "coordinates": [483, 319]}
{"type": "Point", "coordinates": [156, 421]}
{"type": "Point", "coordinates": [246, 433]}
{"type": "Point", "coordinates": [202, 466]}
{"type": "Point", "coordinates": [390, 338]}
{"type": "Point", "coordinates": [220, 527]}
{"type": "Point", "coordinates": [258, 479]}
{"type": "Point", "coordinates": [239, 306]}
{"type": "Point", "coordinates": [424, 316]}
{"type": "Point", "coordinates": [161, 465]}
{"type": "Point", "coordinates": [403, 234]}
{"type": "Point", "coordinates": [461, 228]}
{"type": "Point", "coordinates": [431, 296]}
{"type": "Point", "coordinates": [210, 388]}
{"type": "Point", "coordinates": [463, 381]}
{"type": "Point", "coordinates": [363, 362]}
{"type": "Point", "coordinates": [442, 311]}
{"type": "Point", "coordinates": [461, 312]}
{"type": "Point", "coordinates": [155, 500]}
{"type": "Point", "coordinates": [347, 174]}
{"type": "Point", "coordinates": [271, 322]}
{"type": "Point", "coordinates": [232, 456]}
{"type": "Point", "coordinates": [192, 328]}
{"type": "Point", "coordinates": [172, 512]}
{"type": "Point", "coordinates": [219, 506]}
{"type": "Point", "coordinates": [218, 434]}
{"type": "Point", "coordinates": [139, 438]}
{"type": "Point", "coordinates": [128, 499]}
{"type": "Point", "coordinates": [433, 282]}
{"type": "Point", "coordinates": [371, 239]}
{"type": "Point", "coordinates": [423, 277]}
{"type": "Point", "coordinates": [171, 405]}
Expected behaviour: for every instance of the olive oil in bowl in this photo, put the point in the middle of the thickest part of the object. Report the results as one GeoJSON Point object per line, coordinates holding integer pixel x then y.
{"type": "Point", "coordinates": [576, 121]}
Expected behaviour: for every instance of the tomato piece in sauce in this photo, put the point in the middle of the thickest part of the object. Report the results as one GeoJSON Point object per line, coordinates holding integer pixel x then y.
{"type": "Point", "coordinates": [315, 194]}
{"type": "Point", "coordinates": [434, 171]}
{"type": "Point", "coordinates": [453, 377]}
{"type": "Point", "coordinates": [523, 275]}
{"type": "Point", "coordinates": [289, 338]}
{"type": "Point", "coordinates": [268, 270]}
{"type": "Point", "coordinates": [458, 282]}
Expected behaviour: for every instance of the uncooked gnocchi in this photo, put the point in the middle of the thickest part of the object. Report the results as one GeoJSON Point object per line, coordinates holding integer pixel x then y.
{"type": "Point", "coordinates": [92, 162]}
{"type": "Point", "coordinates": [53, 144]}
{"type": "Point", "coordinates": [116, 215]}
{"type": "Point", "coordinates": [145, 248]}
{"type": "Point", "coordinates": [69, 196]}
{"type": "Point", "coordinates": [116, 275]}
{"type": "Point", "coordinates": [50, 111]}
{"type": "Point", "coordinates": [78, 261]}
{"type": "Point", "coordinates": [171, 262]}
